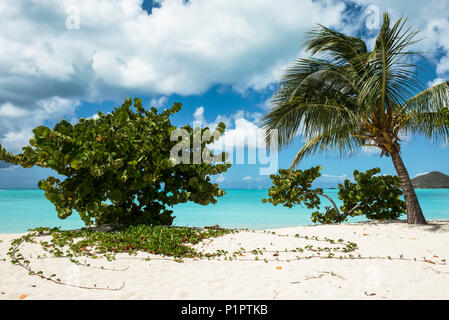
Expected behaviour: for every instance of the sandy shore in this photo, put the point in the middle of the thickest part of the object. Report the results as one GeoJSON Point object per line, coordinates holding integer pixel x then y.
{"type": "Point", "coordinates": [385, 269]}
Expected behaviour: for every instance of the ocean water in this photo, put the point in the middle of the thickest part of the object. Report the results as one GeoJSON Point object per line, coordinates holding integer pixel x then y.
{"type": "Point", "coordinates": [21, 210]}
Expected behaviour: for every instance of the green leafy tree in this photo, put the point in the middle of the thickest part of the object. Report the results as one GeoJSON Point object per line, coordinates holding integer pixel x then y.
{"type": "Point", "coordinates": [119, 169]}
{"type": "Point", "coordinates": [345, 97]}
{"type": "Point", "coordinates": [375, 196]}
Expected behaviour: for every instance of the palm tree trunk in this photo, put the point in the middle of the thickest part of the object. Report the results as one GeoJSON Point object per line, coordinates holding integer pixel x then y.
{"type": "Point", "coordinates": [414, 212]}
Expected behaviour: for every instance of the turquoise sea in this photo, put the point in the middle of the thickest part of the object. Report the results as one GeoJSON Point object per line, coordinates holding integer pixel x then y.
{"type": "Point", "coordinates": [21, 210]}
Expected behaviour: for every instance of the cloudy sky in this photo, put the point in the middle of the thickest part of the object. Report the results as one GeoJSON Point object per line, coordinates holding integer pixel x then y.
{"type": "Point", "coordinates": [221, 58]}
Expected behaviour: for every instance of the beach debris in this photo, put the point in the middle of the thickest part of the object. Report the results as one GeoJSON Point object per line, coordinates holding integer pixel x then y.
{"type": "Point", "coordinates": [365, 234]}
{"type": "Point", "coordinates": [23, 296]}
{"type": "Point", "coordinates": [369, 294]}
{"type": "Point", "coordinates": [278, 268]}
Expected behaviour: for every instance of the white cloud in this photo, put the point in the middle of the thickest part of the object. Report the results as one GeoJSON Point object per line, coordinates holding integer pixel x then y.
{"type": "Point", "coordinates": [431, 17]}
{"type": "Point", "coordinates": [420, 174]}
{"type": "Point", "coordinates": [13, 141]}
{"type": "Point", "coordinates": [241, 132]}
{"type": "Point", "coordinates": [435, 82]}
{"type": "Point", "coordinates": [331, 178]}
{"type": "Point", "coordinates": [245, 134]}
{"type": "Point", "coordinates": [119, 48]}
{"type": "Point", "coordinates": [8, 110]}
{"type": "Point", "coordinates": [95, 116]}
{"type": "Point", "coordinates": [158, 102]}
{"type": "Point", "coordinates": [255, 116]}
{"type": "Point", "coordinates": [180, 48]}
{"type": "Point", "coordinates": [334, 176]}
{"type": "Point", "coordinates": [15, 134]}
{"type": "Point", "coordinates": [220, 178]}
{"type": "Point", "coordinates": [371, 151]}
{"type": "Point", "coordinates": [198, 115]}
{"type": "Point", "coordinates": [403, 136]}
{"type": "Point", "coordinates": [267, 105]}
{"type": "Point", "coordinates": [200, 121]}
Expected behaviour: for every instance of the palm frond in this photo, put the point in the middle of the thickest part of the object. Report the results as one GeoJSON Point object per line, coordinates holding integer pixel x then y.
{"type": "Point", "coordinates": [432, 125]}
{"type": "Point", "coordinates": [344, 96]}
{"type": "Point", "coordinates": [317, 104]}
{"type": "Point", "coordinates": [334, 45]}
{"type": "Point", "coordinates": [389, 78]}
{"type": "Point", "coordinates": [338, 138]}
{"type": "Point", "coordinates": [431, 99]}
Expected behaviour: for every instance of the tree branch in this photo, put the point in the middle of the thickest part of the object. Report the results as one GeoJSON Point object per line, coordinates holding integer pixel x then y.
{"type": "Point", "coordinates": [330, 199]}
{"type": "Point", "coordinates": [335, 205]}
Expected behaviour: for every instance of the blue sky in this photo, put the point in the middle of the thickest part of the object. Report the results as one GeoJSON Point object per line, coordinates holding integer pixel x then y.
{"type": "Point", "coordinates": [221, 59]}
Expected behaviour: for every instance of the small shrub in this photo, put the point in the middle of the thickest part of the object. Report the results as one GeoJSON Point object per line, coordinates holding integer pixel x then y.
{"type": "Point", "coordinates": [118, 169]}
{"type": "Point", "coordinates": [374, 196]}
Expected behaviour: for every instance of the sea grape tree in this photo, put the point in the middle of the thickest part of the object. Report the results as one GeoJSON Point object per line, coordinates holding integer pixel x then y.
{"type": "Point", "coordinates": [375, 196]}
{"type": "Point", "coordinates": [118, 168]}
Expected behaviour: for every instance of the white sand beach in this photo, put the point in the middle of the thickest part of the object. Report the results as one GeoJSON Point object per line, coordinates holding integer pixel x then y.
{"type": "Point", "coordinates": [390, 273]}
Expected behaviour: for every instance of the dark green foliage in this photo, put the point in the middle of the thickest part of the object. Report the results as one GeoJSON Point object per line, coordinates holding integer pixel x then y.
{"type": "Point", "coordinates": [376, 197]}
{"type": "Point", "coordinates": [295, 188]}
{"type": "Point", "coordinates": [117, 167]}
{"type": "Point", "coordinates": [331, 215]}
{"type": "Point", "coordinates": [167, 241]}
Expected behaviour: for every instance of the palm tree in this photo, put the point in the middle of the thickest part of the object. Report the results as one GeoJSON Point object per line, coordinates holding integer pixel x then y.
{"type": "Point", "coordinates": [345, 97]}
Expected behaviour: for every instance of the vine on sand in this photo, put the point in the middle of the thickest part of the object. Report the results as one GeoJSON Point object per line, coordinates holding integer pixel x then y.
{"type": "Point", "coordinates": [168, 243]}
